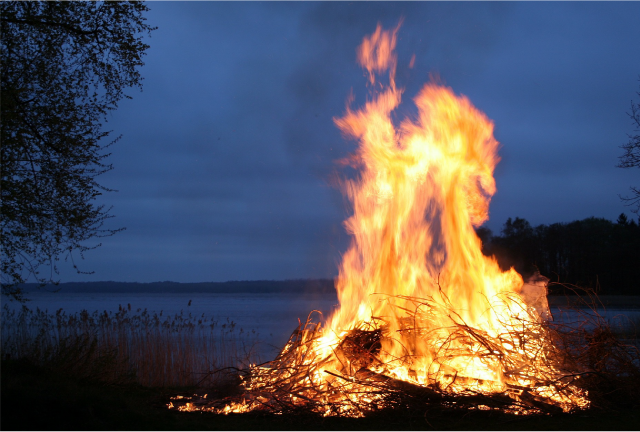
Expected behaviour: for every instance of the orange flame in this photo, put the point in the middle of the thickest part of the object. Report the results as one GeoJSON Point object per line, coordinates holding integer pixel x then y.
{"type": "Point", "coordinates": [422, 188]}
{"type": "Point", "coordinates": [446, 316]}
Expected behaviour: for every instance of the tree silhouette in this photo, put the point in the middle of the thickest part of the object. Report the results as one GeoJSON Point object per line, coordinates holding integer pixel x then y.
{"type": "Point", "coordinates": [515, 247]}
{"type": "Point", "coordinates": [65, 65]}
{"type": "Point", "coordinates": [631, 156]}
{"type": "Point", "coordinates": [592, 253]}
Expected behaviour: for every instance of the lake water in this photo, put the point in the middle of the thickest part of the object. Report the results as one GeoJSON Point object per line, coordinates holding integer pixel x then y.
{"type": "Point", "coordinates": [273, 316]}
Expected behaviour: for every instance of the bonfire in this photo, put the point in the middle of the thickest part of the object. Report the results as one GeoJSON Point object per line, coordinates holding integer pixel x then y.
{"type": "Point", "coordinates": [424, 317]}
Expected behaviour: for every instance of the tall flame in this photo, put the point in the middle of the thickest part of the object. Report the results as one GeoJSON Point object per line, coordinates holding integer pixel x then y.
{"type": "Point", "coordinates": [419, 302]}
{"type": "Point", "coordinates": [422, 188]}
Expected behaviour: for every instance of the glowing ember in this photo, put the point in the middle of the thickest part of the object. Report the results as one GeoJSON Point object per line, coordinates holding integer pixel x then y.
{"type": "Point", "coordinates": [423, 313]}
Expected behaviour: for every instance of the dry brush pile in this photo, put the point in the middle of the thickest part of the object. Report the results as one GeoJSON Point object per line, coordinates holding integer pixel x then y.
{"type": "Point", "coordinates": [566, 366]}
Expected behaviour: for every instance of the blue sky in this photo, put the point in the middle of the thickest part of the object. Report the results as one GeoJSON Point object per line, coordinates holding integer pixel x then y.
{"type": "Point", "coordinates": [225, 167]}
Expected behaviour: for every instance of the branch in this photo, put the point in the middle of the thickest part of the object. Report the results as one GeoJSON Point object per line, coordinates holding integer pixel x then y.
{"type": "Point", "coordinates": [51, 24]}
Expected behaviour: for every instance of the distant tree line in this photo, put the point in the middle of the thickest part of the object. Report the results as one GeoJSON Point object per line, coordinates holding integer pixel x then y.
{"type": "Point", "coordinates": [315, 287]}
{"type": "Point", "coordinates": [592, 253]}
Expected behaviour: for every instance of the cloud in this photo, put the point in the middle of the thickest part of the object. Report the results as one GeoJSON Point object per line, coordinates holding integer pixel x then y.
{"type": "Point", "coordinates": [227, 156]}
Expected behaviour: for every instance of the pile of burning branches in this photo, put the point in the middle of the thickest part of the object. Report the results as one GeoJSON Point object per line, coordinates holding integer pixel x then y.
{"type": "Point", "coordinates": [425, 319]}
{"type": "Point", "coordinates": [546, 368]}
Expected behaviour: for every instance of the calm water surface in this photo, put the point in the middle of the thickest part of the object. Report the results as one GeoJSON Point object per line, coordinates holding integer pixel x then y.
{"type": "Point", "coordinates": [272, 316]}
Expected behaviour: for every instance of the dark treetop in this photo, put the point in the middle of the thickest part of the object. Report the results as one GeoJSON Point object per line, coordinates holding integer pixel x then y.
{"type": "Point", "coordinates": [65, 65]}
{"type": "Point", "coordinates": [631, 156]}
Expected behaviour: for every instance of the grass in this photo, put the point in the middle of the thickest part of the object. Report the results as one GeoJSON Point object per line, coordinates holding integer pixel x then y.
{"type": "Point", "coordinates": [118, 371]}
{"type": "Point", "coordinates": [128, 347]}
{"type": "Point", "coordinates": [626, 327]}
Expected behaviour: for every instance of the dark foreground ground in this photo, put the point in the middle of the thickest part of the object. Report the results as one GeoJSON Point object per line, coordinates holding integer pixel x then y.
{"type": "Point", "coordinates": [34, 399]}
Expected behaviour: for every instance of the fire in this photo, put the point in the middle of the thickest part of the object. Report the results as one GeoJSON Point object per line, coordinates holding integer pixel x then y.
{"type": "Point", "coordinates": [422, 188]}
{"type": "Point", "coordinates": [422, 311]}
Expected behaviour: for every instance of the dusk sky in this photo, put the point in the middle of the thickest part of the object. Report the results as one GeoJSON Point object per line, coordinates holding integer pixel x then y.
{"type": "Point", "coordinates": [225, 167]}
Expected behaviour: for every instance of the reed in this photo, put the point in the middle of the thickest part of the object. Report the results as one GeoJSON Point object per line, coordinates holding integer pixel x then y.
{"type": "Point", "coordinates": [155, 350]}
{"type": "Point", "coordinates": [626, 327]}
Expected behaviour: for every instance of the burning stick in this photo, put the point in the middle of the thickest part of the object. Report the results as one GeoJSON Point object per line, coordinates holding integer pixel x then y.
{"type": "Point", "coordinates": [425, 318]}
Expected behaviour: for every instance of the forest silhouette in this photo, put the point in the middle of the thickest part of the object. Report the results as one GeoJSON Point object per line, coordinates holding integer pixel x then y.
{"type": "Point", "coordinates": [592, 253]}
